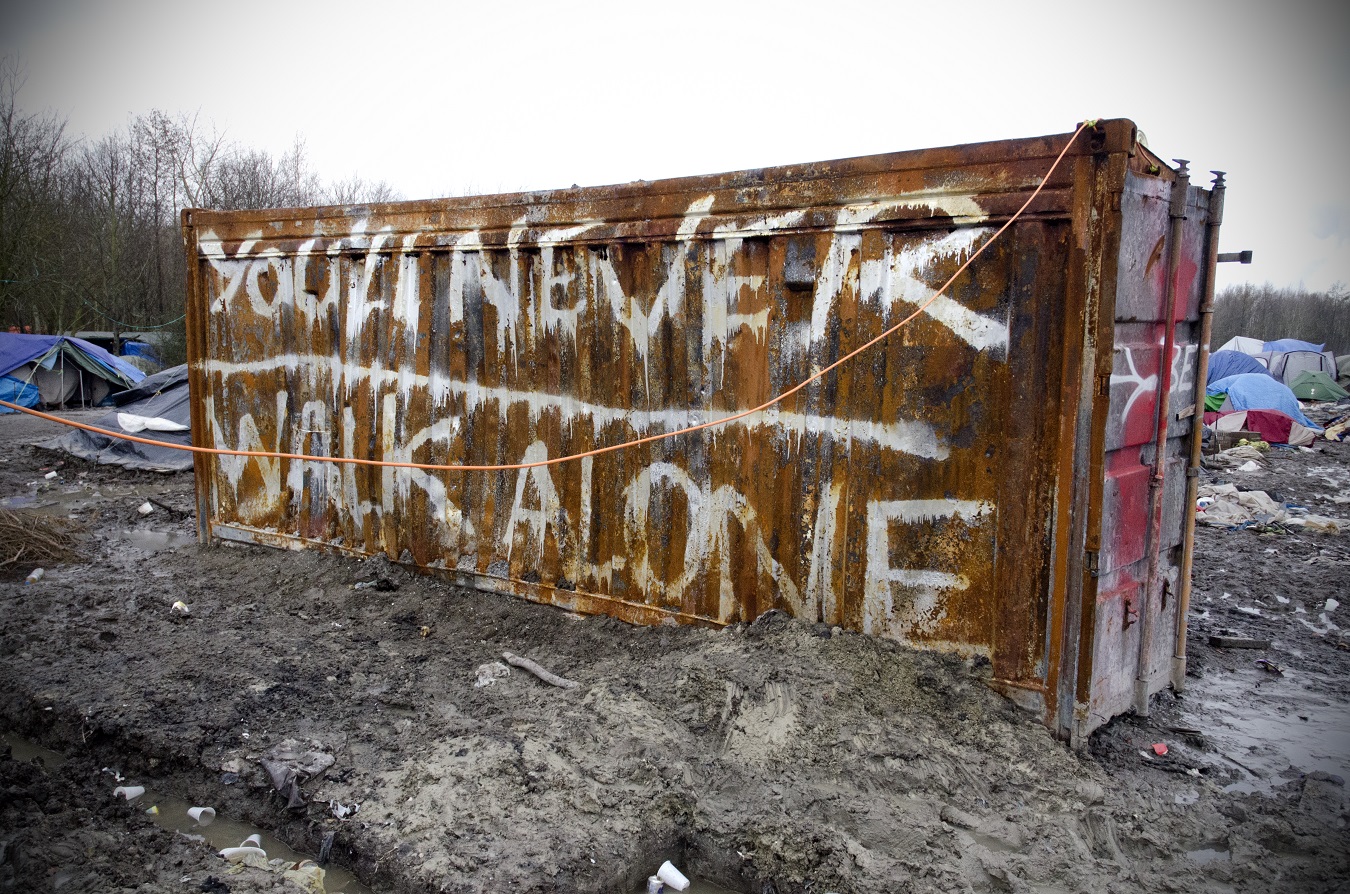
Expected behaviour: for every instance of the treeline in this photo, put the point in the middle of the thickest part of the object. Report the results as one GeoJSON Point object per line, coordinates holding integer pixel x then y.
{"type": "Point", "coordinates": [1268, 313]}
{"type": "Point", "coordinates": [89, 229]}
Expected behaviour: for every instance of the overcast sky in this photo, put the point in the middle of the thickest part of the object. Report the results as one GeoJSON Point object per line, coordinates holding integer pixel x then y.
{"type": "Point", "coordinates": [444, 98]}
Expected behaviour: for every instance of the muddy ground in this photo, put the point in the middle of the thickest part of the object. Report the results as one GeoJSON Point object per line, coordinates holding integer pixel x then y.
{"type": "Point", "coordinates": [777, 757]}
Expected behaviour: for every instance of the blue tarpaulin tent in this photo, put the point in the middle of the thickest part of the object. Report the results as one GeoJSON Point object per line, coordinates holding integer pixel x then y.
{"type": "Point", "coordinates": [1258, 391]}
{"type": "Point", "coordinates": [1223, 364]}
{"type": "Point", "coordinates": [65, 369]}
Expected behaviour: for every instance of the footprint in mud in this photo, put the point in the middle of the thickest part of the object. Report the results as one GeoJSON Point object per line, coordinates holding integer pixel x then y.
{"type": "Point", "coordinates": [757, 728]}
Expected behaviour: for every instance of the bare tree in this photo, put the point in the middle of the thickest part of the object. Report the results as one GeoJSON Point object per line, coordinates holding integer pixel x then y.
{"type": "Point", "coordinates": [355, 191]}
{"type": "Point", "coordinates": [33, 149]}
{"type": "Point", "coordinates": [1270, 313]}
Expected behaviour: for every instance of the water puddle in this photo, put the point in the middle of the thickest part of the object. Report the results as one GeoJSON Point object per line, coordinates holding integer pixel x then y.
{"type": "Point", "coordinates": [1240, 717]}
{"type": "Point", "coordinates": [696, 886]}
{"type": "Point", "coordinates": [171, 814]}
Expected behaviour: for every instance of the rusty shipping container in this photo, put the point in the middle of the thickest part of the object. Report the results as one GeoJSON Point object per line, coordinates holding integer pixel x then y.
{"type": "Point", "coordinates": [979, 483]}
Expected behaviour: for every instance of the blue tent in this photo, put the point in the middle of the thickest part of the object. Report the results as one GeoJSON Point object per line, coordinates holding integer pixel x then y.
{"type": "Point", "coordinates": [1258, 391]}
{"type": "Point", "coordinates": [62, 366]}
{"type": "Point", "coordinates": [1223, 364]}
{"type": "Point", "coordinates": [17, 391]}
{"type": "Point", "coordinates": [1292, 344]}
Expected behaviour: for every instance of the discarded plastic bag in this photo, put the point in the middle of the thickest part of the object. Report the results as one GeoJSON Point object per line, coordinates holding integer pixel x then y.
{"type": "Point", "coordinates": [490, 673]}
{"type": "Point", "coordinates": [289, 764]}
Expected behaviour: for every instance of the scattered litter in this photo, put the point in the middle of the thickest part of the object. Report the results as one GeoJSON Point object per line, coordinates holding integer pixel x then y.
{"type": "Point", "coordinates": [490, 673]}
{"type": "Point", "coordinates": [326, 847]}
{"type": "Point", "coordinates": [241, 853]}
{"type": "Point", "coordinates": [112, 772]}
{"type": "Point", "coordinates": [342, 811]}
{"type": "Point", "coordinates": [1238, 642]}
{"type": "Point", "coordinates": [181, 608]}
{"type": "Point", "coordinates": [553, 680]}
{"type": "Point", "coordinates": [130, 792]}
{"type": "Point", "coordinates": [655, 885]}
{"type": "Point", "coordinates": [1267, 665]}
{"type": "Point", "coordinates": [672, 876]}
{"type": "Point", "coordinates": [49, 476]}
{"type": "Point", "coordinates": [203, 815]}
{"type": "Point", "coordinates": [153, 810]}
{"type": "Point", "coordinates": [35, 575]}
{"type": "Point", "coordinates": [146, 508]}
{"type": "Point", "coordinates": [1250, 465]}
{"type": "Point", "coordinates": [291, 763]}
{"type": "Point", "coordinates": [380, 585]}
{"type": "Point", "coordinates": [1332, 605]}
{"type": "Point", "coordinates": [1160, 748]}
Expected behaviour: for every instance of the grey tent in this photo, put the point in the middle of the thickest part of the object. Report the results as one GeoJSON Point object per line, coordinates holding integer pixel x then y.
{"type": "Point", "coordinates": [158, 402]}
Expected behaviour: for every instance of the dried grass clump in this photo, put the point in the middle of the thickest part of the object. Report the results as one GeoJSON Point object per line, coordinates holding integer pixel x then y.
{"type": "Point", "coordinates": [31, 538]}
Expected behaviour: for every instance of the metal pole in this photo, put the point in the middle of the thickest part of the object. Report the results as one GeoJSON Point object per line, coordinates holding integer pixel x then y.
{"type": "Point", "coordinates": [1197, 426]}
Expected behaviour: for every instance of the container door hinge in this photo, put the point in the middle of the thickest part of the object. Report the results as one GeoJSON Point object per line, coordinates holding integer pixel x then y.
{"type": "Point", "coordinates": [1093, 562]}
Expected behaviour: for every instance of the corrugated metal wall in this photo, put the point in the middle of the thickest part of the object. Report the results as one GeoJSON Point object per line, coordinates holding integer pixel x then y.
{"type": "Point", "coordinates": [923, 492]}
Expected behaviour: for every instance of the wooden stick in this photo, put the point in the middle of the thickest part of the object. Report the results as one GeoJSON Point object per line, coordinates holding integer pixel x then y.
{"type": "Point", "coordinates": [532, 667]}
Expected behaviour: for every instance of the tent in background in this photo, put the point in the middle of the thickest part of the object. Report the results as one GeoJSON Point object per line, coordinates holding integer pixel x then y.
{"type": "Point", "coordinates": [1273, 426]}
{"type": "Point", "coordinates": [65, 369]}
{"type": "Point", "coordinates": [1254, 391]}
{"type": "Point", "coordinates": [1223, 364]}
{"type": "Point", "coordinates": [1244, 345]}
{"type": "Point", "coordinates": [1286, 345]}
{"type": "Point", "coordinates": [1317, 386]}
{"type": "Point", "coordinates": [1289, 365]}
{"type": "Point", "coordinates": [143, 411]}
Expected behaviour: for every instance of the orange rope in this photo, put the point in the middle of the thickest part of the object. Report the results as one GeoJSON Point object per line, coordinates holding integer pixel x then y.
{"type": "Point", "coordinates": [508, 467]}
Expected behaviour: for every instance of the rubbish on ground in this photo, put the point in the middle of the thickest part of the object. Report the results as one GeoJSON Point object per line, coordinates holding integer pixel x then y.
{"type": "Point", "coordinates": [342, 811]}
{"type": "Point", "coordinates": [203, 815]}
{"type": "Point", "coordinates": [1332, 605]}
{"type": "Point", "coordinates": [49, 476]}
{"type": "Point", "coordinates": [130, 422]}
{"type": "Point", "coordinates": [1232, 508]}
{"type": "Point", "coordinates": [550, 678]}
{"type": "Point", "coordinates": [655, 885]}
{"type": "Point", "coordinates": [1160, 748]}
{"type": "Point", "coordinates": [490, 673]}
{"type": "Point", "coordinates": [130, 792]}
{"type": "Point", "coordinates": [326, 847]}
{"type": "Point", "coordinates": [289, 764]}
{"type": "Point", "coordinates": [672, 876]}
{"type": "Point", "coordinates": [146, 508]}
{"type": "Point", "coordinates": [1249, 466]}
{"type": "Point", "coordinates": [1267, 665]}
{"type": "Point", "coordinates": [1238, 642]}
{"type": "Point", "coordinates": [380, 585]}
{"type": "Point", "coordinates": [238, 854]}
{"type": "Point", "coordinates": [254, 840]}
{"type": "Point", "coordinates": [181, 608]}
{"type": "Point", "coordinates": [35, 575]}
{"type": "Point", "coordinates": [152, 810]}
{"type": "Point", "coordinates": [113, 772]}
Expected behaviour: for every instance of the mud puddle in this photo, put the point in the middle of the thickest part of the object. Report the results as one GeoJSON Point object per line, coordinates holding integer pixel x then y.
{"type": "Point", "coordinates": [1313, 733]}
{"type": "Point", "coordinates": [171, 814]}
